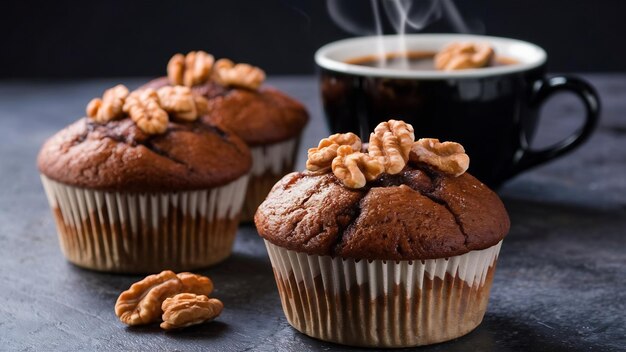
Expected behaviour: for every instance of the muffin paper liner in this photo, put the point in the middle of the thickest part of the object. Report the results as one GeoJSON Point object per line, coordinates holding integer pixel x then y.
{"type": "Point", "coordinates": [142, 233]}
{"type": "Point", "coordinates": [378, 303]}
{"type": "Point", "coordinates": [269, 164]}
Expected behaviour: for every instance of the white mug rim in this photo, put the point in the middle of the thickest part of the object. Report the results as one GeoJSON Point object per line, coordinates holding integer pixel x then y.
{"type": "Point", "coordinates": [536, 56]}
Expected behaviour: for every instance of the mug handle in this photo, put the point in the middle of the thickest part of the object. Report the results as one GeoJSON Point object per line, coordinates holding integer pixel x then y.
{"type": "Point", "coordinates": [542, 90]}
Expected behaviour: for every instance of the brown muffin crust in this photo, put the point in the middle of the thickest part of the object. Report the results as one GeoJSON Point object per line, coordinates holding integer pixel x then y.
{"type": "Point", "coordinates": [259, 117]}
{"type": "Point", "coordinates": [118, 156]}
{"type": "Point", "coordinates": [417, 214]}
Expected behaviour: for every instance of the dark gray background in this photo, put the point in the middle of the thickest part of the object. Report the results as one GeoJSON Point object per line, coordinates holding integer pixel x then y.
{"type": "Point", "coordinates": [67, 39]}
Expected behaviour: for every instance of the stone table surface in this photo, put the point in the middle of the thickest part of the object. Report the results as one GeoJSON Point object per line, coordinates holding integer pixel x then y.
{"type": "Point", "coordinates": [560, 282]}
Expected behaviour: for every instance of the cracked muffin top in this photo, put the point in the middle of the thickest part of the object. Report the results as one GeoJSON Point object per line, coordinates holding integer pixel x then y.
{"type": "Point", "coordinates": [237, 100]}
{"type": "Point", "coordinates": [429, 209]}
{"type": "Point", "coordinates": [143, 148]}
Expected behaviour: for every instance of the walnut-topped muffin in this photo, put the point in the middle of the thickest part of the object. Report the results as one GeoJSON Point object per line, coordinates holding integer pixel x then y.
{"type": "Point", "coordinates": [119, 156]}
{"type": "Point", "coordinates": [397, 229]}
{"type": "Point", "coordinates": [269, 121]}
{"type": "Point", "coordinates": [424, 215]}
{"type": "Point", "coordinates": [142, 184]}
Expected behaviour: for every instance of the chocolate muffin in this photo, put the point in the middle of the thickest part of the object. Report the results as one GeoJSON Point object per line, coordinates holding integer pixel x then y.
{"type": "Point", "coordinates": [142, 184]}
{"type": "Point", "coordinates": [269, 121]}
{"type": "Point", "coordinates": [395, 246]}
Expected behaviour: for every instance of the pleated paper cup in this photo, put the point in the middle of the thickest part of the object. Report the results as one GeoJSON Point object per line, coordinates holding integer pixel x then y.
{"type": "Point", "coordinates": [143, 233]}
{"type": "Point", "coordinates": [382, 303]}
{"type": "Point", "coordinates": [269, 164]}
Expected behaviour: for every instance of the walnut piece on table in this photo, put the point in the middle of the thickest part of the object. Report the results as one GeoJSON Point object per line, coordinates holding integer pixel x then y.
{"type": "Point", "coordinates": [141, 303]}
{"type": "Point", "coordinates": [187, 309]}
{"type": "Point", "coordinates": [198, 284]}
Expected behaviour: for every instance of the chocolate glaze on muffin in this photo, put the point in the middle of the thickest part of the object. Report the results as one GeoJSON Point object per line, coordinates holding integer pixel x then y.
{"type": "Point", "coordinates": [419, 213]}
{"type": "Point", "coordinates": [259, 117]}
{"type": "Point", "coordinates": [118, 156]}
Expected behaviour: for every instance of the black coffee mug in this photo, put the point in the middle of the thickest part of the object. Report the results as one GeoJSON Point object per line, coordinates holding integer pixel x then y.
{"type": "Point", "coordinates": [492, 112]}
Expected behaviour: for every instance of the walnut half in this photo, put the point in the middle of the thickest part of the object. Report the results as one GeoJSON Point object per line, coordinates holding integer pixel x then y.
{"type": "Point", "coordinates": [110, 107]}
{"type": "Point", "coordinates": [241, 75]}
{"type": "Point", "coordinates": [144, 109]}
{"type": "Point", "coordinates": [141, 303]}
{"type": "Point", "coordinates": [447, 157]}
{"type": "Point", "coordinates": [354, 169]}
{"type": "Point", "coordinates": [459, 56]}
{"type": "Point", "coordinates": [188, 309]}
{"type": "Point", "coordinates": [321, 158]}
{"type": "Point", "coordinates": [181, 103]}
{"type": "Point", "coordinates": [191, 69]}
{"type": "Point", "coordinates": [391, 143]}
{"type": "Point", "coordinates": [198, 284]}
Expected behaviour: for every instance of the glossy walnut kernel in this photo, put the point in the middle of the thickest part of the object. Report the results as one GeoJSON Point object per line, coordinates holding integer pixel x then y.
{"type": "Point", "coordinates": [447, 157]}
{"type": "Point", "coordinates": [391, 144]}
{"type": "Point", "coordinates": [354, 169]}
{"type": "Point", "coordinates": [198, 284]}
{"type": "Point", "coordinates": [191, 69]}
{"type": "Point", "coordinates": [188, 309]}
{"type": "Point", "coordinates": [141, 303]}
{"type": "Point", "coordinates": [144, 109]}
{"type": "Point", "coordinates": [110, 107]}
{"type": "Point", "coordinates": [321, 158]}
{"type": "Point", "coordinates": [238, 75]}
{"type": "Point", "coordinates": [459, 56]}
{"type": "Point", "coordinates": [181, 103]}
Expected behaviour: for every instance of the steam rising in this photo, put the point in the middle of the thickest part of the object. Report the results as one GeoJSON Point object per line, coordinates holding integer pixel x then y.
{"type": "Point", "coordinates": [412, 14]}
{"type": "Point", "coordinates": [405, 16]}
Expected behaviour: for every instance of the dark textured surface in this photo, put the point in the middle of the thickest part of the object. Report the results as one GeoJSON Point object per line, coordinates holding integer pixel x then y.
{"type": "Point", "coordinates": [560, 282]}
